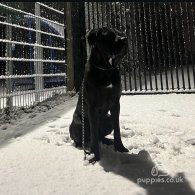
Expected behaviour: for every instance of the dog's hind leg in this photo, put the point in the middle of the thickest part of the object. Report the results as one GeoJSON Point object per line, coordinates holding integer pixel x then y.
{"type": "Point", "coordinates": [75, 130]}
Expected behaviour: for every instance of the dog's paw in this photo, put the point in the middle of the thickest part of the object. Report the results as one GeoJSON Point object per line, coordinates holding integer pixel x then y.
{"type": "Point", "coordinates": [95, 150]}
{"type": "Point", "coordinates": [90, 159]}
{"type": "Point", "coordinates": [120, 148]}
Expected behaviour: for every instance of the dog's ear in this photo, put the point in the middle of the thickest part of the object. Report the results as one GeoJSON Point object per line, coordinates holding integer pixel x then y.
{"type": "Point", "coordinates": [91, 36]}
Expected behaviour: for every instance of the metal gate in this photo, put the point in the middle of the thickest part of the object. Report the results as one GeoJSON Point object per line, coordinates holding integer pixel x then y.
{"type": "Point", "coordinates": [161, 39]}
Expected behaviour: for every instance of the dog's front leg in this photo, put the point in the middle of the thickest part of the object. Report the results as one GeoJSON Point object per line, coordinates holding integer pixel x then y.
{"type": "Point", "coordinates": [93, 114]}
{"type": "Point", "coordinates": [115, 111]}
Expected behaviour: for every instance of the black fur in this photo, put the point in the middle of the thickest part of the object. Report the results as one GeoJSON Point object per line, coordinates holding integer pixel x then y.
{"type": "Point", "coordinates": [102, 91]}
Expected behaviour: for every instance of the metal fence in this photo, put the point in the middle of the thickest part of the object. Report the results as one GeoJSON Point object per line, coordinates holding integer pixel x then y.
{"type": "Point", "coordinates": [32, 50]}
{"type": "Point", "coordinates": [161, 39]}
{"type": "Point", "coordinates": [161, 47]}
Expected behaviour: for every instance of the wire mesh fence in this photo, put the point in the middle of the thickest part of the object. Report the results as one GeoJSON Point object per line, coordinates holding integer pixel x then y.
{"type": "Point", "coordinates": [161, 42]}
{"type": "Point", "coordinates": [32, 50]}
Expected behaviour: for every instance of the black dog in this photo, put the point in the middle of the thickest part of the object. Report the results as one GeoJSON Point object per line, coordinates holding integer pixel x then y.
{"type": "Point", "coordinates": [101, 91]}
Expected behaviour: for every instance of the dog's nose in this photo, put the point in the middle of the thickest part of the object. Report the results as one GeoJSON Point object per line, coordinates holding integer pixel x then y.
{"type": "Point", "coordinates": [119, 39]}
{"type": "Point", "coordinates": [122, 38]}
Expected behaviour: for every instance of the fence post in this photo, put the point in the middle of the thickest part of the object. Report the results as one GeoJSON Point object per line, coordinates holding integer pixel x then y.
{"type": "Point", "coordinates": [38, 65]}
{"type": "Point", "coordinates": [79, 44]}
{"type": "Point", "coordinates": [69, 46]}
{"type": "Point", "coordinates": [9, 65]}
{"type": "Point", "coordinates": [75, 43]}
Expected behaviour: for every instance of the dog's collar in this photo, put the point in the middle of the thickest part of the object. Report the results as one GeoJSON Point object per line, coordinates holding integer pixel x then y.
{"type": "Point", "coordinates": [105, 69]}
{"type": "Point", "coordinates": [109, 63]}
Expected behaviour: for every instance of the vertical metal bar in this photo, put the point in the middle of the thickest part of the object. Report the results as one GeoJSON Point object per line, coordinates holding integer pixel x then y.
{"type": "Point", "coordinates": [174, 45]}
{"type": "Point", "coordinates": [179, 43]}
{"type": "Point", "coordinates": [168, 44]}
{"type": "Point", "coordinates": [163, 45]}
{"type": "Point", "coordinates": [158, 43]}
{"type": "Point", "coordinates": [152, 29]}
{"type": "Point", "coordinates": [31, 64]}
{"type": "Point", "coordinates": [98, 18]}
{"type": "Point", "coordinates": [65, 43]}
{"type": "Point", "coordinates": [148, 54]}
{"type": "Point", "coordinates": [136, 44]}
{"type": "Point", "coordinates": [88, 15]}
{"type": "Point", "coordinates": [96, 14]}
{"type": "Point", "coordinates": [132, 43]}
{"type": "Point", "coordinates": [141, 56]}
{"type": "Point", "coordinates": [106, 14]}
{"type": "Point", "coordinates": [93, 17]}
{"type": "Point", "coordinates": [120, 16]}
{"type": "Point", "coordinates": [115, 15]}
{"type": "Point", "coordinates": [9, 64]}
{"type": "Point", "coordinates": [99, 14]}
{"type": "Point", "coordinates": [102, 15]}
{"type": "Point", "coordinates": [3, 64]}
{"type": "Point", "coordinates": [184, 38]}
{"type": "Point", "coordinates": [37, 50]}
{"type": "Point", "coordinates": [192, 27]}
{"type": "Point", "coordinates": [137, 47]}
{"type": "Point", "coordinates": [122, 23]}
{"type": "Point", "coordinates": [4, 93]}
{"type": "Point", "coordinates": [143, 35]}
{"type": "Point", "coordinates": [127, 26]}
{"type": "Point", "coordinates": [110, 14]}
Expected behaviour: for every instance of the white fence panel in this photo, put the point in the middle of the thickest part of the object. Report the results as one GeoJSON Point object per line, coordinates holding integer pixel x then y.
{"type": "Point", "coordinates": [32, 51]}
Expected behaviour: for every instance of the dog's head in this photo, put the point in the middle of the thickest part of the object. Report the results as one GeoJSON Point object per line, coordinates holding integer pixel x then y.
{"type": "Point", "coordinates": [110, 42]}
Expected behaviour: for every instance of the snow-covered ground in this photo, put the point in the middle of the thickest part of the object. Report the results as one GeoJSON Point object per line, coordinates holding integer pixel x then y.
{"type": "Point", "coordinates": [159, 131]}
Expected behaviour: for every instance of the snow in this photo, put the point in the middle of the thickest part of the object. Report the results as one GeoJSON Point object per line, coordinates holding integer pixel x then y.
{"type": "Point", "coordinates": [159, 130]}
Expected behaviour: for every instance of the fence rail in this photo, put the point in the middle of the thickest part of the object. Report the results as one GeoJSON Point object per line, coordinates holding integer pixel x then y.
{"type": "Point", "coordinates": [32, 50]}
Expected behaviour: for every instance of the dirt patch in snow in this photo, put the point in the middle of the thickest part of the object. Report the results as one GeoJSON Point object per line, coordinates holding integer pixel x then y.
{"type": "Point", "coordinates": [10, 116]}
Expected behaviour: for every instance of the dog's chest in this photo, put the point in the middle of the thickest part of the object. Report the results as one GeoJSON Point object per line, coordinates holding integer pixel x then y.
{"type": "Point", "coordinates": [112, 81]}
{"type": "Point", "coordinates": [110, 89]}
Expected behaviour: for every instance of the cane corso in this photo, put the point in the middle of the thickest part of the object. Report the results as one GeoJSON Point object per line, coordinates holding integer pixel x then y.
{"type": "Point", "coordinates": [101, 91]}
